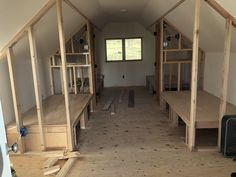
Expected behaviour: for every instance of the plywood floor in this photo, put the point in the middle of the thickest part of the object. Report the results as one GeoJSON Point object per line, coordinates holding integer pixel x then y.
{"type": "Point", "coordinates": [139, 142]}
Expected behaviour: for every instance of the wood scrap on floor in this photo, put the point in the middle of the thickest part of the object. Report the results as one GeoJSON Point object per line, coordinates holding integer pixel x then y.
{"type": "Point", "coordinates": [110, 105]}
{"type": "Point", "coordinates": [66, 168]}
{"type": "Point", "coordinates": [52, 165]}
{"type": "Point", "coordinates": [52, 170]}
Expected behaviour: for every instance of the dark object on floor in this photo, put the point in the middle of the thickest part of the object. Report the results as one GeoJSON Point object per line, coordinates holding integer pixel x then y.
{"type": "Point", "coordinates": [131, 99]}
{"type": "Point", "coordinates": [233, 174]}
{"type": "Point", "coordinates": [228, 136]}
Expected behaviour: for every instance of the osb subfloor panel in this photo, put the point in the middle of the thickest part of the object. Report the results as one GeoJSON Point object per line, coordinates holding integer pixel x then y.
{"type": "Point", "coordinates": [139, 142]}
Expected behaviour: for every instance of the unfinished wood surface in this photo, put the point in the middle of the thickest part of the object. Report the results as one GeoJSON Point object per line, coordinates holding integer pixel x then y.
{"type": "Point", "coordinates": [64, 72]}
{"type": "Point", "coordinates": [16, 103]}
{"type": "Point", "coordinates": [157, 63]}
{"type": "Point", "coordinates": [51, 75]}
{"type": "Point", "coordinates": [225, 75]}
{"type": "Point", "coordinates": [207, 107]}
{"type": "Point", "coordinates": [161, 59]}
{"type": "Point", "coordinates": [193, 103]}
{"type": "Point", "coordinates": [91, 59]}
{"type": "Point", "coordinates": [108, 104]}
{"type": "Point", "coordinates": [52, 170]}
{"type": "Point", "coordinates": [54, 110]}
{"type": "Point", "coordinates": [66, 168]}
{"type": "Point", "coordinates": [55, 124]}
{"type": "Point", "coordinates": [50, 162]}
{"type": "Point", "coordinates": [179, 77]}
{"type": "Point", "coordinates": [37, 88]}
{"type": "Point", "coordinates": [75, 80]}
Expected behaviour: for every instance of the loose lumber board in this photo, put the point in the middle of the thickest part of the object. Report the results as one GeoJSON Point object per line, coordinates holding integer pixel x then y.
{"type": "Point", "coordinates": [50, 162]}
{"type": "Point", "coordinates": [66, 168]}
{"type": "Point", "coordinates": [52, 170]}
{"type": "Point", "coordinates": [108, 104]}
{"type": "Point", "coordinates": [207, 107]}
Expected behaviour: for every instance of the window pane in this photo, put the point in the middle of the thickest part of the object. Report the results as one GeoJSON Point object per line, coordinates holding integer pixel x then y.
{"type": "Point", "coordinates": [114, 50]}
{"type": "Point", "coordinates": [133, 49]}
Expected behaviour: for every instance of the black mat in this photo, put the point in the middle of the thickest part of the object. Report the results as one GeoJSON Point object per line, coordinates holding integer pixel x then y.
{"type": "Point", "coordinates": [131, 99]}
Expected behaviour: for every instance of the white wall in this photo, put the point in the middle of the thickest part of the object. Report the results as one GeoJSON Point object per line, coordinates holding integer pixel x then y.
{"type": "Point", "coordinates": [213, 75]}
{"type": "Point", "coordinates": [134, 71]}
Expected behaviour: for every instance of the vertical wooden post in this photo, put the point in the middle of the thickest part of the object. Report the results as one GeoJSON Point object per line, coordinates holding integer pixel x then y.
{"type": "Point", "coordinates": [179, 77]}
{"type": "Point", "coordinates": [37, 89]}
{"type": "Point", "coordinates": [161, 59]}
{"type": "Point", "coordinates": [193, 103]}
{"type": "Point", "coordinates": [225, 74]}
{"type": "Point", "coordinates": [62, 82]}
{"type": "Point", "coordinates": [170, 76]}
{"type": "Point", "coordinates": [75, 79]}
{"type": "Point", "coordinates": [71, 77]}
{"type": "Point", "coordinates": [91, 68]}
{"type": "Point", "coordinates": [51, 76]}
{"type": "Point", "coordinates": [81, 73]}
{"type": "Point", "coordinates": [72, 45]}
{"type": "Point", "coordinates": [64, 73]}
{"type": "Point", "coordinates": [16, 104]}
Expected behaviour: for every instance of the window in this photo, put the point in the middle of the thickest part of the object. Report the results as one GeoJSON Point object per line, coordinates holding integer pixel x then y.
{"type": "Point", "coordinates": [127, 49]}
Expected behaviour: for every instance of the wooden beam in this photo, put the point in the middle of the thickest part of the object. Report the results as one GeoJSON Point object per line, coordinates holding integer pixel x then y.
{"type": "Point", "coordinates": [225, 74]}
{"type": "Point", "coordinates": [217, 7]}
{"type": "Point", "coordinates": [91, 68]}
{"type": "Point", "coordinates": [51, 77]}
{"type": "Point", "coordinates": [64, 73]}
{"type": "Point", "coordinates": [193, 103]}
{"type": "Point", "coordinates": [70, 4]}
{"type": "Point", "coordinates": [166, 13]}
{"type": "Point", "coordinates": [16, 103]}
{"type": "Point", "coordinates": [66, 168]}
{"type": "Point", "coordinates": [75, 79]}
{"type": "Point", "coordinates": [161, 80]}
{"type": "Point", "coordinates": [179, 77]}
{"type": "Point", "coordinates": [37, 89]}
{"type": "Point", "coordinates": [33, 21]}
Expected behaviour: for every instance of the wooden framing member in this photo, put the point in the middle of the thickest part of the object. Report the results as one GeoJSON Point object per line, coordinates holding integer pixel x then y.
{"type": "Point", "coordinates": [51, 77]}
{"type": "Point", "coordinates": [91, 70]}
{"type": "Point", "coordinates": [225, 74]}
{"type": "Point", "coordinates": [179, 77]}
{"type": "Point", "coordinates": [17, 109]}
{"type": "Point", "coordinates": [75, 79]}
{"type": "Point", "coordinates": [37, 89]}
{"type": "Point", "coordinates": [161, 59]}
{"type": "Point", "coordinates": [71, 77]}
{"type": "Point", "coordinates": [193, 102]}
{"type": "Point", "coordinates": [64, 73]}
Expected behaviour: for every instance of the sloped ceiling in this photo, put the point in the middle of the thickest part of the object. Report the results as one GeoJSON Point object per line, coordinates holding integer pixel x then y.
{"type": "Point", "coordinates": [212, 25]}
{"type": "Point", "coordinates": [14, 14]}
{"type": "Point", "coordinates": [102, 12]}
{"type": "Point", "coordinates": [46, 33]}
